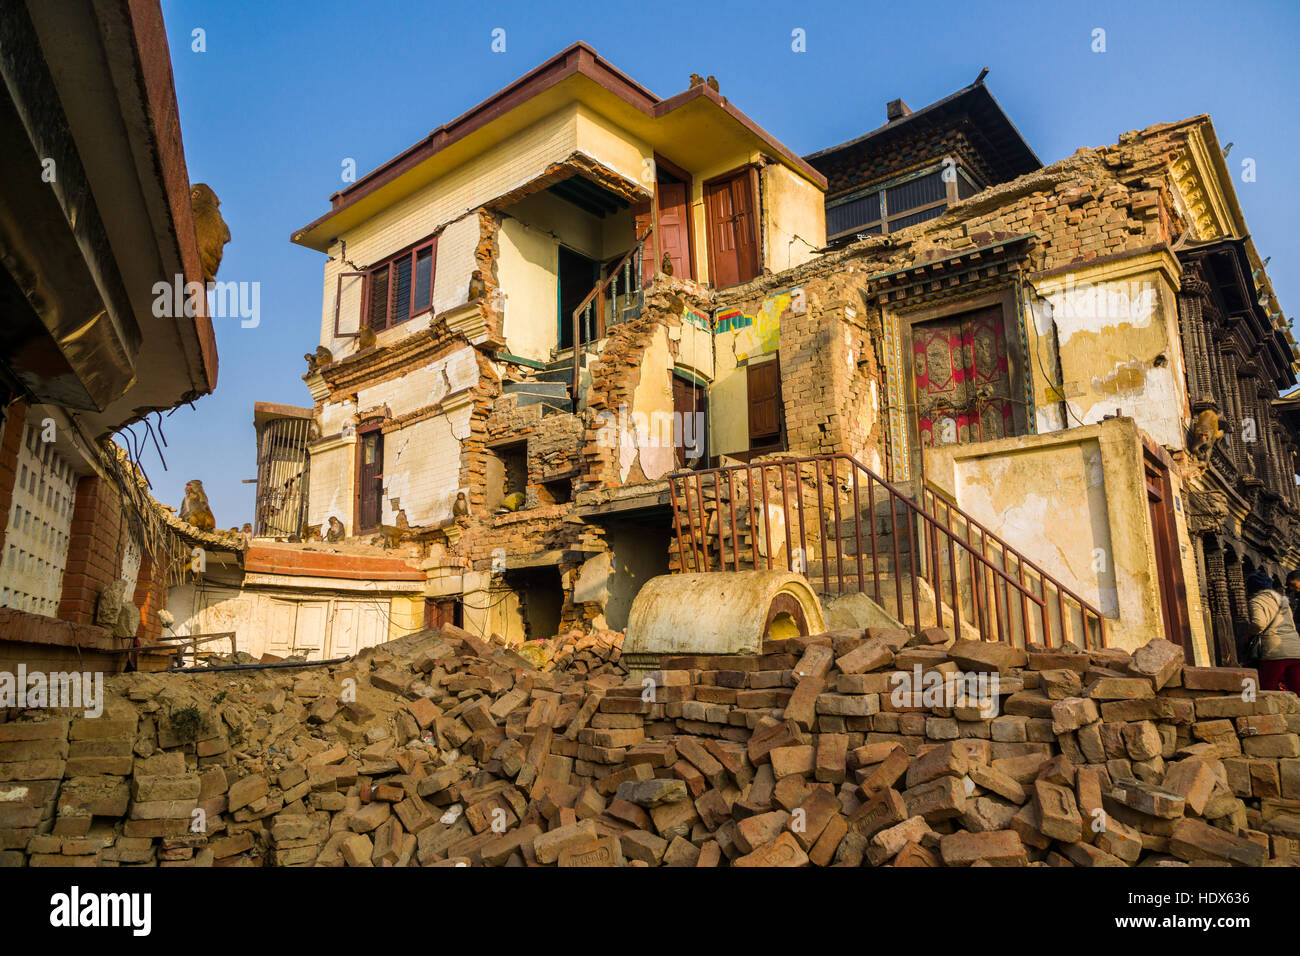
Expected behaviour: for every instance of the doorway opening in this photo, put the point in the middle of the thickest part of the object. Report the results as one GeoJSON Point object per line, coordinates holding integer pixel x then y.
{"type": "Point", "coordinates": [541, 600]}
{"type": "Point", "coordinates": [370, 479]}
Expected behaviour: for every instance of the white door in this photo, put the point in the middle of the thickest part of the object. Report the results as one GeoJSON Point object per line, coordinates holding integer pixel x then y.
{"type": "Point", "coordinates": [310, 635]}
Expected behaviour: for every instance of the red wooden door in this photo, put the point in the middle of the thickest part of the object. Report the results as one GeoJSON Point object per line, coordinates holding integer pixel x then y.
{"type": "Point", "coordinates": [963, 380]}
{"type": "Point", "coordinates": [674, 229]}
{"type": "Point", "coordinates": [733, 232]}
{"type": "Point", "coordinates": [370, 480]}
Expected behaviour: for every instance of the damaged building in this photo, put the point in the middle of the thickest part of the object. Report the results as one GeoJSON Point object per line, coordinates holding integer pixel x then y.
{"type": "Point", "coordinates": [582, 337]}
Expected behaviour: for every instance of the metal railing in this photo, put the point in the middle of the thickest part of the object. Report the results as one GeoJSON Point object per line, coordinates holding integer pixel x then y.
{"type": "Point", "coordinates": [975, 581]}
{"type": "Point", "coordinates": [587, 318]}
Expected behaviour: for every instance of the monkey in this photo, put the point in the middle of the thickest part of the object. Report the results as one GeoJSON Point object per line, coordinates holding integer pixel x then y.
{"type": "Point", "coordinates": [1205, 433]}
{"type": "Point", "coordinates": [209, 228]}
{"type": "Point", "coordinates": [667, 265]}
{"type": "Point", "coordinates": [696, 80]}
{"type": "Point", "coordinates": [477, 287]}
{"type": "Point", "coordinates": [317, 361]}
{"type": "Point", "coordinates": [247, 529]}
{"type": "Point", "coordinates": [311, 532]}
{"type": "Point", "coordinates": [391, 534]}
{"type": "Point", "coordinates": [712, 82]}
{"type": "Point", "coordinates": [195, 509]}
{"type": "Point", "coordinates": [335, 532]}
{"type": "Point", "coordinates": [366, 339]}
{"type": "Point", "coordinates": [460, 508]}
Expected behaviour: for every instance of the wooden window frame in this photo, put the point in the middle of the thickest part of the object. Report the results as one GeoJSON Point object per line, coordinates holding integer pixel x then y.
{"type": "Point", "coordinates": [410, 252]}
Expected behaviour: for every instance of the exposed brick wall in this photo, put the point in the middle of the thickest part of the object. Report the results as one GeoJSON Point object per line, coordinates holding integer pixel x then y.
{"type": "Point", "coordinates": [859, 166]}
{"type": "Point", "coordinates": [94, 552]}
{"type": "Point", "coordinates": [150, 597]}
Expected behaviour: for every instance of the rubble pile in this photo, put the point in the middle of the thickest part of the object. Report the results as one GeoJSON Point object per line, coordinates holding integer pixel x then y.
{"type": "Point", "coordinates": [443, 750]}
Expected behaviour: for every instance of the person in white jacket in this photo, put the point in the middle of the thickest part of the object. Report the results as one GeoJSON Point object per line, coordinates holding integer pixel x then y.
{"type": "Point", "coordinates": [1279, 642]}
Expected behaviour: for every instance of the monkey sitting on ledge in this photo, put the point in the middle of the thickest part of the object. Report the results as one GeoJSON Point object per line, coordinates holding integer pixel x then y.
{"type": "Point", "coordinates": [195, 509]}
{"type": "Point", "coordinates": [1205, 433]}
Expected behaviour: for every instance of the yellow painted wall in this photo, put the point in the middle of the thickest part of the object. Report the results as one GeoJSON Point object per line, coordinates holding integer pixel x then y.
{"type": "Point", "coordinates": [1117, 326]}
{"type": "Point", "coordinates": [625, 154]}
{"type": "Point", "coordinates": [491, 608]}
{"type": "Point", "coordinates": [526, 269]}
{"type": "Point", "coordinates": [406, 615]}
{"type": "Point", "coordinates": [332, 471]}
{"type": "Point", "coordinates": [506, 166]}
{"type": "Point", "coordinates": [1075, 503]}
{"type": "Point", "coordinates": [794, 218]}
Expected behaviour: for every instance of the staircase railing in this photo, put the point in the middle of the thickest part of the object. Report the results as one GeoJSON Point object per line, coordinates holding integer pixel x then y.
{"type": "Point", "coordinates": [586, 317]}
{"type": "Point", "coordinates": [975, 579]}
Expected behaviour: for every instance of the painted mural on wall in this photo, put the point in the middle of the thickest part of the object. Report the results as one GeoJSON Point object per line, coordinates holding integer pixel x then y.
{"type": "Point", "coordinates": [760, 334]}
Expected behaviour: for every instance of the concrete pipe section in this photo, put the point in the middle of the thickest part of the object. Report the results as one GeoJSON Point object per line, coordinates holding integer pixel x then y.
{"type": "Point", "coordinates": [722, 612]}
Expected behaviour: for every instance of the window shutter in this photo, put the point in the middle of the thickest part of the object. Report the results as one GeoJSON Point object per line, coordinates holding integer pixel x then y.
{"type": "Point", "coordinates": [402, 289]}
{"type": "Point", "coordinates": [378, 313]}
{"type": "Point", "coordinates": [423, 280]}
{"type": "Point", "coordinates": [764, 387]}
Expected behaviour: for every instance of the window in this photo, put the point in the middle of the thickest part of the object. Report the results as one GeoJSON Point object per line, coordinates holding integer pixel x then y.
{"type": "Point", "coordinates": [897, 205]}
{"type": "Point", "coordinates": [400, 287]}
{"type": "Point", "coordinates": [39, 528]}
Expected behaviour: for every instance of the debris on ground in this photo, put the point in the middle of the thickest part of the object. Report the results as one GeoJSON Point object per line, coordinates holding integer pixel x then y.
{"type": "Point", "coordinates": [442, 749]}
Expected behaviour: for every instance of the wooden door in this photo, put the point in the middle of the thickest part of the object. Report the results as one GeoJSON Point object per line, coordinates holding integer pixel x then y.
{"type": "Point", "coordinates": [733, 231]}
{"type": "Point", "coordinates": [439, 611]}
{"type": "Point", "coordinates": [963, 379]}
{"type": "Point", "coordinates": [674, 229]}
{"type": "Point", "coordinates": [370, 480]}
{"type": "Point", "coordinates": [343, 629]}
{"type": "Point", "coordinates": [309, 629]}
{"type": "Point", "coordinates": [691, 408]}
{"type": "Point", "coordinates": [1173, 610]}
{"type": "Point", "coordinates": [763, 384]}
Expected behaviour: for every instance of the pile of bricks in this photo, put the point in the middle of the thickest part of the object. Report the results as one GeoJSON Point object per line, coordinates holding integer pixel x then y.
{"type": "Point", "coordinates": [441, 749]}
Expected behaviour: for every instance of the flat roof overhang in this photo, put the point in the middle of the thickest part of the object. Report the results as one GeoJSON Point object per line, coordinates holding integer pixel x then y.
{"type": "Point", "coordinates": [691, 129]}
{"type": "Point", "coordinates": [89, 86]}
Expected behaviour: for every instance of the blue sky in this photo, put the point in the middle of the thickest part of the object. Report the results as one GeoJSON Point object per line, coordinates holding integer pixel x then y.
{"type": "Point", "coordinates": [286, 91]}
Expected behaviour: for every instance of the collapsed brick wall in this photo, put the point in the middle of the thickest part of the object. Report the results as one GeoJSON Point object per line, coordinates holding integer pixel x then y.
{"type": "Point", "coordinates": [456, 752]}
{"type": "Point", "coordinates": [620, 369]}
{"type": "Point", "coordinates": [831, 377]}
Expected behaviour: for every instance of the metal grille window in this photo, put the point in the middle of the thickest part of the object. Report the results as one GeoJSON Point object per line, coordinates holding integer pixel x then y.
{"type": "Point", "coordinates": [282, 477]}
{"type": "Point", "coordinates": [40, 524]}
{"type": "Point", "coordinates": [896, 205]}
